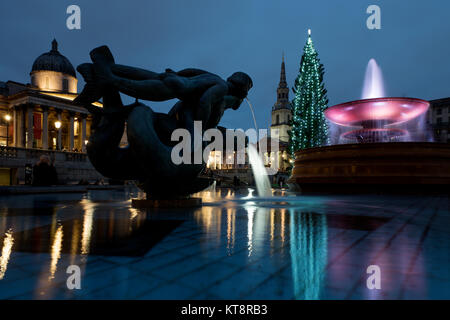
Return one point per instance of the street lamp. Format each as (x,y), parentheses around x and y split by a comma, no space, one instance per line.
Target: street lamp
(8,119)
(58,127)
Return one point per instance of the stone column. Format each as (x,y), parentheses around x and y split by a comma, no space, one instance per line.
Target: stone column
(44,127)
(83,132)
(71,131)
(21,126)
(15,123)
(59,130)
(30,133)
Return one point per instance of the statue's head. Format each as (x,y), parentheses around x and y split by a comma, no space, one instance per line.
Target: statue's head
(239,84)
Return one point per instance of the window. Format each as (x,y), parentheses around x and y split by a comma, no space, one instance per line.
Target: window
(439,120)
(439,111)
(278,119)
(65,85)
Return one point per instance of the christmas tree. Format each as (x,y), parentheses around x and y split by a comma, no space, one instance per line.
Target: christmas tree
(309,126)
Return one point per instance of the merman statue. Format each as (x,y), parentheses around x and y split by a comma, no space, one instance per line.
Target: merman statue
(202,96)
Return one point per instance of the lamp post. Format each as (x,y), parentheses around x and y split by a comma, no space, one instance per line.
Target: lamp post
(58,127)
(8,119)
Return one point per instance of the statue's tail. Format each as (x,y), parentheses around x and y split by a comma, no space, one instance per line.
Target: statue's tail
(92,91)
(96,75)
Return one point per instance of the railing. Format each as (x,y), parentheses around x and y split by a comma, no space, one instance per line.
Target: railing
(8,152)
(27,153)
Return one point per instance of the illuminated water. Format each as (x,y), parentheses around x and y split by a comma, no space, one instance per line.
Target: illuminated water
(373,81)
(259,172)
(253,113)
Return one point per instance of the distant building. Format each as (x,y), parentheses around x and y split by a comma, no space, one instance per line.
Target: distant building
(281,110)
(280,126)
(439,119)
(40,118)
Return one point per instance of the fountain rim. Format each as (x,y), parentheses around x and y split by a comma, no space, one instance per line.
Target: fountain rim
(398,131)
(365,101)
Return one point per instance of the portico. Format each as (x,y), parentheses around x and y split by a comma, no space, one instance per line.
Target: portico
(42,122)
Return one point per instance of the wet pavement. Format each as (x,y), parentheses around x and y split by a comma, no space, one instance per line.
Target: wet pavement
(234,247)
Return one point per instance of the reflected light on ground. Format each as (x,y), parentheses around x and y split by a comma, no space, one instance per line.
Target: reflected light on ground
(231,226)
(75,240)
(88,218)
(251,212)
(56,251)
(283,221)
(6,253)
(204,216)
(272,224)
(309,254)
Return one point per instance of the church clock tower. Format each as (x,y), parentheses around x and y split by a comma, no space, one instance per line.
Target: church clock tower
(281,111)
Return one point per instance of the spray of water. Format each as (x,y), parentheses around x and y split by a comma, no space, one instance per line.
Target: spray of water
(259,172)
(373,81)
(253,113)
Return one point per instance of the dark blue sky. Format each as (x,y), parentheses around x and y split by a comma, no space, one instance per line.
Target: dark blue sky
(412,48)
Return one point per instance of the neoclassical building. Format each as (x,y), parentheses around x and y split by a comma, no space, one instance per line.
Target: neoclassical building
(39,118)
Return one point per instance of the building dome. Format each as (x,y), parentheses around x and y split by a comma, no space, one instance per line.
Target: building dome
(52,71)
(53,61)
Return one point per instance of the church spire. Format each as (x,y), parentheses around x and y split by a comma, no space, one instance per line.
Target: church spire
(283,83)
(282,90)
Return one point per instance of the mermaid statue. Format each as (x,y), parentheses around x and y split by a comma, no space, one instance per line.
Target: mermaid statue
(202,96)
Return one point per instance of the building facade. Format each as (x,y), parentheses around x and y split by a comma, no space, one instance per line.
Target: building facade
(439,119)
(39,118)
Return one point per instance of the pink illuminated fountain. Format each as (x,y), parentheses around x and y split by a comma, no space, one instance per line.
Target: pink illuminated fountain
(375,115)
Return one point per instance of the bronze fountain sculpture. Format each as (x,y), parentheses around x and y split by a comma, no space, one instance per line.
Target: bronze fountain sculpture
(203,96)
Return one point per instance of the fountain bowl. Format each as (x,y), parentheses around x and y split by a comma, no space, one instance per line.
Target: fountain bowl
(390,110)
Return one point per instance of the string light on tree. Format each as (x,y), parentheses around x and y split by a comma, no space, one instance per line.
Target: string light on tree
(309,125)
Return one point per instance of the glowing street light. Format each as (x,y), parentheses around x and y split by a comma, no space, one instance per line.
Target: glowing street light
(8,119)
(58,127)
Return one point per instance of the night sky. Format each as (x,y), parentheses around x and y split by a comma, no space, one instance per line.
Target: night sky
(412,48)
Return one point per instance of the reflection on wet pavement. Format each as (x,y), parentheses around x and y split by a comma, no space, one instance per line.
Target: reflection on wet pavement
(234,247)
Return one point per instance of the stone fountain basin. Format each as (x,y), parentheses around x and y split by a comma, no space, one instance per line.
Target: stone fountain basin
(373,167)
(381,110)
